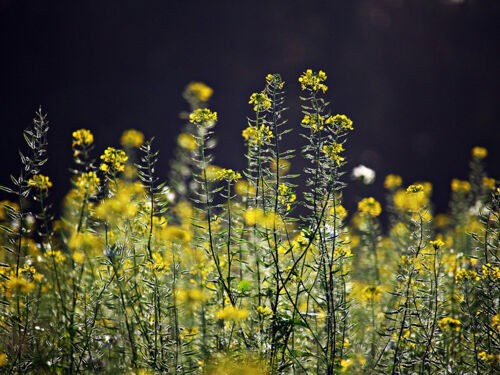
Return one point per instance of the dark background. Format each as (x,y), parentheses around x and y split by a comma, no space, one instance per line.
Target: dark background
(418,77)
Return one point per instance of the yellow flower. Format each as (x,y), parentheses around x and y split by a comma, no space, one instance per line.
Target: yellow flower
(495,322)
(314,121)
(232,313)
(113,160)
(333,151)
(132,138)
(488,358)
(253,216)
(275,79)
(264,311)
(228,175)
(203,117)
(57,255)
(82,137)
(261,101)
(257,136)
(3,359)
(489,183)
(436,244)
(341,122)
(392,181)
(199,91)
(19,285)
(285,196)
(187,141)
(370,206)
(448,323)
(479,152)
(313,81)
(40,182)
(460,186)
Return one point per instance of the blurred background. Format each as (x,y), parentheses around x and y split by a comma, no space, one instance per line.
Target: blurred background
(419,78)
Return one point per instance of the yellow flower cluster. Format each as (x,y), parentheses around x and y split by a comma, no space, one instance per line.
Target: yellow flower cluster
(313,81)
(495,322)
(256,216)
(228,175)
(275,79)
(257,136)
(82,137)
(284,166)
(479,152)
(187,142)
(341,122)
(436,244)
(392,181)
(415,198)
(123,205)
(313,121)
(113,160)
(264,311)
(261,102)
(157,264)
(232,313)
(203,117)
(285,196)
(88,182)
(40,182)
(460,186)
(489,183)
(370,207)
(57,255)
(449,324)
(333,151)
(488,358)
(132,138)
(464,274)
(371,294)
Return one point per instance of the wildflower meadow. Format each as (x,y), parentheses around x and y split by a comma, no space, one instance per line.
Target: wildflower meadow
(210,270)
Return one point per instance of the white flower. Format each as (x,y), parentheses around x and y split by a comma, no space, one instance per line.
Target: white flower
(364,174)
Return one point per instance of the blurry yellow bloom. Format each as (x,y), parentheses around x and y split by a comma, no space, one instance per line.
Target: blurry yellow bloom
(132,138)
(57,255)
(211,172)
(448,323)
(174,233)
(203,117)
(414,198)
(284,166)
(341,122)
(489,183)
(79,257)
(371,294)
(3,359)
(257,136)
(333,152)
(199,90)
(193,296)
(253,216)
(19,285)
(40,182)
(479,152)
(261,102)
(82,137)
(346,364)
(88,182)
(187,142)
(392,181)
(313,81)
(370,206)
(232,313)
(243,188)
(495,322)
(460,186)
